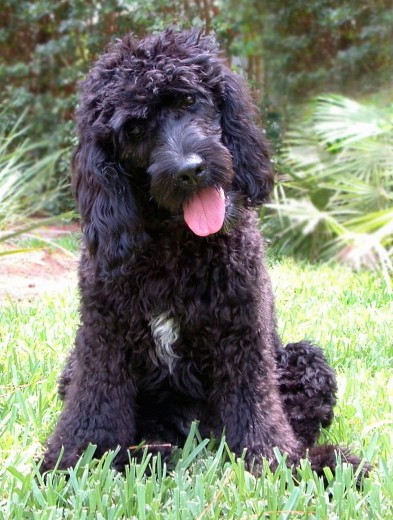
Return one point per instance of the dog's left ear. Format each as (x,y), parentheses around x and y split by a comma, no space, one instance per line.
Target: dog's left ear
(253,173)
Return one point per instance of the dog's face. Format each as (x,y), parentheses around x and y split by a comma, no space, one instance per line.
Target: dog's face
(190,168)
(164,117)
(178,144)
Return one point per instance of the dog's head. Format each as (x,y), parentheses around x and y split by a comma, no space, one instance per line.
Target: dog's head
(163,123)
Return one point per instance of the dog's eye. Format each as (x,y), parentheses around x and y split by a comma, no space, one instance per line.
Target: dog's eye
(188,101)
(136,132)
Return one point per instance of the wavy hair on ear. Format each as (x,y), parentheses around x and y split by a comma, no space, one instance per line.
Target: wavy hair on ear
(240,134)
(109,213)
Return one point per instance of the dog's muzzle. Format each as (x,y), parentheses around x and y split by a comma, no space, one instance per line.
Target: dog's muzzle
(190,171)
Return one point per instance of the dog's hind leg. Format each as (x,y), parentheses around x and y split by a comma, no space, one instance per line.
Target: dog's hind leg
(308,389)
(326,455)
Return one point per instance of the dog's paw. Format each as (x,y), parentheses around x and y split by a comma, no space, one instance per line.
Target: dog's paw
(256,456)
(325,456)
(58,461)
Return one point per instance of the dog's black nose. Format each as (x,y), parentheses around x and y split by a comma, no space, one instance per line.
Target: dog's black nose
(191,169)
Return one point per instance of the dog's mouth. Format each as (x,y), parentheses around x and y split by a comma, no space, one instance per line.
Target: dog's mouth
(204,213)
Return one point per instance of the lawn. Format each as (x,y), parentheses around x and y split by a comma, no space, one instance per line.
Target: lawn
(349,314)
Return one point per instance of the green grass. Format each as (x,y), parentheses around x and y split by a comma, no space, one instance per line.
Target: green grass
(35,239)
(68,242)
(349,314)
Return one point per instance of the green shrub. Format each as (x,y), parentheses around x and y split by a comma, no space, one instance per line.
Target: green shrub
(335,198)
(27,184)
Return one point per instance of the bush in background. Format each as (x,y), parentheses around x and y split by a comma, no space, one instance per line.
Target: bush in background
(27,184)
(335,198)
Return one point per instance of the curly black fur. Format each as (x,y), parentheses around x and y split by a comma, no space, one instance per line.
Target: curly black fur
(174,326)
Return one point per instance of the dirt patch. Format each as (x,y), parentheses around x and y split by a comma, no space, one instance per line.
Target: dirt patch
(25,276)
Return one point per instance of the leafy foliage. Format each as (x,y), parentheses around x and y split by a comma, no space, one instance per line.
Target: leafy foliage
(336,195)
(26,184)
(327,45)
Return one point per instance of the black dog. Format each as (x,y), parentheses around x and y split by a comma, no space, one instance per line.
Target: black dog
(177,309)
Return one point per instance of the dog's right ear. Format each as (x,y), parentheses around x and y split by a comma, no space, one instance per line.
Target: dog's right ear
(109,213)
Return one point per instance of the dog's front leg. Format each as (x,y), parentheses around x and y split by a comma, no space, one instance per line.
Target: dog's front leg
(246,401)
(98,406)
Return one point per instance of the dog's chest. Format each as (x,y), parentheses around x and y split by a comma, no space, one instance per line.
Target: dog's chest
(165,332)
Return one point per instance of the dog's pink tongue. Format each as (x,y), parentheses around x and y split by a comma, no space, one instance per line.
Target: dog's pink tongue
(205,212)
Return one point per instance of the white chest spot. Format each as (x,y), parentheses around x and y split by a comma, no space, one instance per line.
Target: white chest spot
(165,332)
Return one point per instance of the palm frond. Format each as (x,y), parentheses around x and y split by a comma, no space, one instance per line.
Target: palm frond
(351,194)
(26,184)
(340,122)
(337,192)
